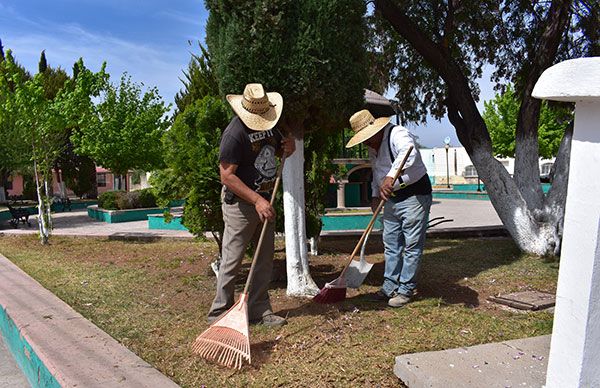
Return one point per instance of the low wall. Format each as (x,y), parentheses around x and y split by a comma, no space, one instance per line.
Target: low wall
(116,216)
(28,361)
(157,221)
(349,221)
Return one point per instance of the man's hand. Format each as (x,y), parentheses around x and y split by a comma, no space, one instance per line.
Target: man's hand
(374,203)
(289,145)
(386,188)
(264,209)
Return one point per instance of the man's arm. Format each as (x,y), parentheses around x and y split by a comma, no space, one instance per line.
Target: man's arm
(234,183)
(401,141)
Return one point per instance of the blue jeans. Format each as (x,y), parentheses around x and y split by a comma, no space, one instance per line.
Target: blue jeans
(404,226)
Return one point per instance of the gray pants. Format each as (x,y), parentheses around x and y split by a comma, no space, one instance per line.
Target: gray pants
(243,225)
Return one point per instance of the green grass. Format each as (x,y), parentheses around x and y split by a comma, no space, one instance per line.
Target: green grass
(153,298)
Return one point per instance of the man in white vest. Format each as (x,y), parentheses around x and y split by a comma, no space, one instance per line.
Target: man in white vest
(406,211)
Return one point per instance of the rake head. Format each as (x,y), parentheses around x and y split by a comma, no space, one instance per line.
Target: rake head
(332,292)
(227,341)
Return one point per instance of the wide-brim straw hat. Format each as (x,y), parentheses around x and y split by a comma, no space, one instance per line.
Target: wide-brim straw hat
(260,111)
(365,126)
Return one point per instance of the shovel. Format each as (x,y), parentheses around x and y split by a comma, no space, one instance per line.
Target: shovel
(335,291)
(359,269)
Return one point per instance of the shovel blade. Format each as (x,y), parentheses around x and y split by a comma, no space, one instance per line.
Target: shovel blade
(357,272)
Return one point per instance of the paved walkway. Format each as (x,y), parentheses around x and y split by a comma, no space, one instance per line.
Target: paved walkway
(65,347)
(508,364)
(464,213)
(78,223)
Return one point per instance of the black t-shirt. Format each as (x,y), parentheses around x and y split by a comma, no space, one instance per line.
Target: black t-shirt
(254,154)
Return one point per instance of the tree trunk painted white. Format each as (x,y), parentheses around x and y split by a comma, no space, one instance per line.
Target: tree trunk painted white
(42,214)
(534,230)
(300,283)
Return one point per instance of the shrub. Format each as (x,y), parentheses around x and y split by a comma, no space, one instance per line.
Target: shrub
(127,200)
(147,198)
(120,200)
(109,199)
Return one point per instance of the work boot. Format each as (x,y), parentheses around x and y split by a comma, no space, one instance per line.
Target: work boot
(398,300)
(270,320)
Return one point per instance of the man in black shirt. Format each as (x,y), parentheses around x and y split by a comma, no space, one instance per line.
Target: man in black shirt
(248,166)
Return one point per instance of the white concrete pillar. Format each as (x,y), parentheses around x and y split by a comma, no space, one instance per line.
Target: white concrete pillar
(575,346)
(341,195)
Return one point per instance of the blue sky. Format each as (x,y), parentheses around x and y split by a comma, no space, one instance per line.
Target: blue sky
(146,38)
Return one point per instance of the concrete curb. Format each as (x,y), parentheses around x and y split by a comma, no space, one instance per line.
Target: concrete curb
(514,363)
(450,233)
(75,352)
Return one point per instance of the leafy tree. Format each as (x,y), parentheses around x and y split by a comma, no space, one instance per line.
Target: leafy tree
(437,50)
(78,172)
(312,52)
(192,152)
(124,130)
(38,121)
(13,149)
(199,80)
(501,115)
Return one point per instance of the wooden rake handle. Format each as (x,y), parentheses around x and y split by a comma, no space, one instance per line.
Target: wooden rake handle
(264,227)
(376,212)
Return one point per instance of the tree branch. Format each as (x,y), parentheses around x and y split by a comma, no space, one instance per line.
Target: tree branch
(526,145)
(459,92)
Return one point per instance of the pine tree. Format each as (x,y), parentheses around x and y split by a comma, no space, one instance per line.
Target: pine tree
(43,64)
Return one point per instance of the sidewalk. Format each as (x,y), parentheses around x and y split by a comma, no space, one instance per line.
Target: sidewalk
(468,217)
(55,346)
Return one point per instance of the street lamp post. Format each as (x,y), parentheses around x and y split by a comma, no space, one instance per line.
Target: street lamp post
(447,146)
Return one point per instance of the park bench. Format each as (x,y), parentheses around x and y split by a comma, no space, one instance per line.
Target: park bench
(18,215)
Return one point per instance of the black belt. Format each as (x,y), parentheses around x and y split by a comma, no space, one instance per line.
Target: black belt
(420,187)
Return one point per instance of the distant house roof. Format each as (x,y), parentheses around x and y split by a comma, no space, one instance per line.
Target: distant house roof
(378,105)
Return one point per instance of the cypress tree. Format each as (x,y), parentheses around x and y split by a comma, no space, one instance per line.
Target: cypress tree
(43,65)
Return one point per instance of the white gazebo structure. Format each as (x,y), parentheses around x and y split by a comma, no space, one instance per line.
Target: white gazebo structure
(575,347)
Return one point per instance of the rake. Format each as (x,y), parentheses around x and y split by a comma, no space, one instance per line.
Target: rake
(335,291)
(227,340)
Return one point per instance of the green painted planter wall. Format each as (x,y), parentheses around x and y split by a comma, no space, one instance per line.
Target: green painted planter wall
(461,195)
(349,222)
(28,361)
(158,222)
(116,216)
(5,215)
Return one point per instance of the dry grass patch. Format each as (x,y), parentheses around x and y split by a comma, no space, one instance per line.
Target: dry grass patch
(153,298)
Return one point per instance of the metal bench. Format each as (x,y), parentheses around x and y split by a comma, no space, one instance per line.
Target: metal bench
(18,215)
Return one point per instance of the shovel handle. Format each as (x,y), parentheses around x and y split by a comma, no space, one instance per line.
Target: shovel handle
(264,227)
(376,212)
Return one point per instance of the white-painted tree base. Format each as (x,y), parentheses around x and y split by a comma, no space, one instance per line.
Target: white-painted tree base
(300,283)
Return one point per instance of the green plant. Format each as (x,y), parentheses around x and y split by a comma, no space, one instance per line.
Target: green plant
(109,200)
(146,198)
(192,154)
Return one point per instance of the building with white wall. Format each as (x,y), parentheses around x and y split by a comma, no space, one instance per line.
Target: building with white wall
(454,165)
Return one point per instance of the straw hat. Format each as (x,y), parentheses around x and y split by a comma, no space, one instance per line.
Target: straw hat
(365,126)
(260,111)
